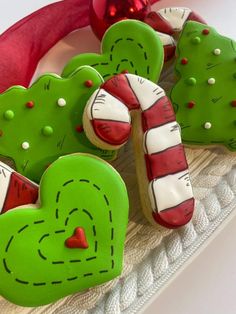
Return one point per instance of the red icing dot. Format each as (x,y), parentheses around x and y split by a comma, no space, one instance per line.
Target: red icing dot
(1,133)
(30,104)
(79,129)
(233,103)
(191,104)
(78,240)
(184,61)
(125,72)
(88,83)
(205,31)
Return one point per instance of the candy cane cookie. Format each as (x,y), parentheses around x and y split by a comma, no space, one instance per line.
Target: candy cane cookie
(169,22)
(162,170)
(15,190)
(172,20)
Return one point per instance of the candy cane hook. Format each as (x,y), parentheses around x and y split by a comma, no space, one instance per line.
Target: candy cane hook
(168,22)
(162,169)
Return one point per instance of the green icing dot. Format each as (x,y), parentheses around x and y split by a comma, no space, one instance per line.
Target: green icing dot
(196,40)
(9,115)
(191,81)
(47,130)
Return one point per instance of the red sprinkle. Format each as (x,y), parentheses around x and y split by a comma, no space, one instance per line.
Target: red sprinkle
(1,133)
(88,83)
(191,104)
(184,61)
(233,103)
(30,104)
(125,72)
(205,31)
(79,129)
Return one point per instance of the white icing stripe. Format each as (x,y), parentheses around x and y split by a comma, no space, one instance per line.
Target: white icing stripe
(103,105)
(146,91)
(176,17)
(161,138)
(166,40)
(170,191)
(5,177)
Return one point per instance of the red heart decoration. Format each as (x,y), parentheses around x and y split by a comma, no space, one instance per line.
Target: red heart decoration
(78,240)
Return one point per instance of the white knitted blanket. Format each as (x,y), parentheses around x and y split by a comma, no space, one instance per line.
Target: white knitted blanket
(147,268)
(152,257)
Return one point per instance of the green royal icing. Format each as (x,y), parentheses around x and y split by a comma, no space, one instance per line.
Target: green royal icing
(76,191)
(127,45)
(207,81)
(44,122)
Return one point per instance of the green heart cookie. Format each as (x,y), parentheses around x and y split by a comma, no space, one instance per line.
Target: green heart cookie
(39,124)
(126,46)
(204,96)
(74,239)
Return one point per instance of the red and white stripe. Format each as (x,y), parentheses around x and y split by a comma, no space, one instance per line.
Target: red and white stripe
(109,112)
(168,22)
(15,190)
(169,45)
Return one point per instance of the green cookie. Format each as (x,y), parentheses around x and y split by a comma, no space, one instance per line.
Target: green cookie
(126,46)
(74,239)
(205,97)
(39,124)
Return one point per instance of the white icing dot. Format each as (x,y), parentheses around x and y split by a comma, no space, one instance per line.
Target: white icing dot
(25,145)
(207,125)
(211,81)
(61,102)
(217,52)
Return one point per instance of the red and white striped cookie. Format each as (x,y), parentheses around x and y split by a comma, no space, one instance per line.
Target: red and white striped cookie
(171,20)
(15,190)
(162,169)
(168,22)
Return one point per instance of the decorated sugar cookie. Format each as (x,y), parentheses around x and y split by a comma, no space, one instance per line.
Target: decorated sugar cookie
(127,46)
(162,169)
(15,190)
(73,240)
(204,96)
(39,124)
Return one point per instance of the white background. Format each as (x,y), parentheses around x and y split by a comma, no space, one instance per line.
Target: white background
(208,284)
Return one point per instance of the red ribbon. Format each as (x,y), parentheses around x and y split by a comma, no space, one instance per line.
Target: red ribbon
(26,42)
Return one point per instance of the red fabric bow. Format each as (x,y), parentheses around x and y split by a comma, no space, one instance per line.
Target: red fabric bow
(25,43)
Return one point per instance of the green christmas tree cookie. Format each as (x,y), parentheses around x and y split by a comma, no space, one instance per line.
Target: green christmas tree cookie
(39,124)
(72,241)
(128,45)
(205,95)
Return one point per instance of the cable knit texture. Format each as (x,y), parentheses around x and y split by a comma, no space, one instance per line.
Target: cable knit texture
(147,268)
(152,256)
